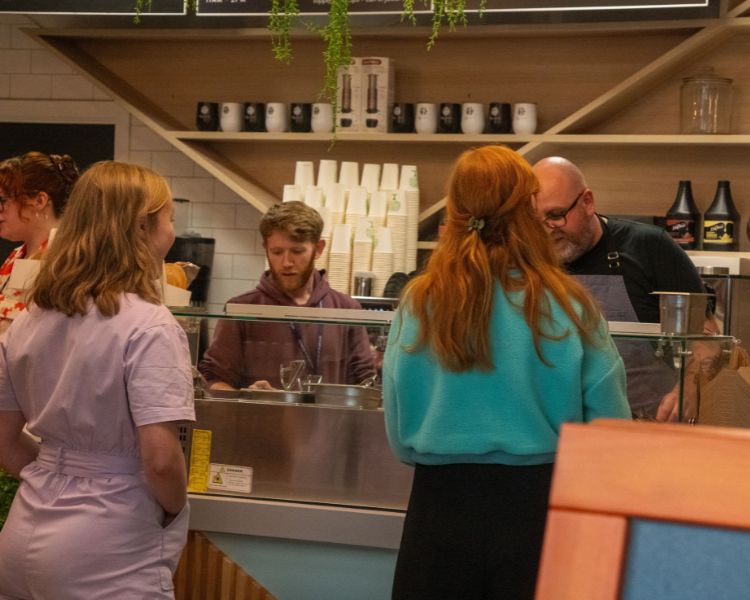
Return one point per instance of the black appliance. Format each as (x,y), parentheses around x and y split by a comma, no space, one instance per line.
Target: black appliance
(199,251)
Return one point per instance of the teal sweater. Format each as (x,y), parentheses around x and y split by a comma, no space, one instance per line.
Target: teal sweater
(511,415)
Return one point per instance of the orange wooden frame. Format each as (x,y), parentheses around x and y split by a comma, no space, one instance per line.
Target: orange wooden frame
(609,471)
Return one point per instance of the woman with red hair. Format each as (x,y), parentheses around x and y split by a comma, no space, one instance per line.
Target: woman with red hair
(494,347)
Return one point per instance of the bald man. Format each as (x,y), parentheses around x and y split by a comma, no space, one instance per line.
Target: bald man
(621,262)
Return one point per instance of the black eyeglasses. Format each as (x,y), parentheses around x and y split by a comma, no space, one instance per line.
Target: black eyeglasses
(556,220)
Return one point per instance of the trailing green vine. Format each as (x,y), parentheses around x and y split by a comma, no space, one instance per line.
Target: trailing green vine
(142,6)
(282,16)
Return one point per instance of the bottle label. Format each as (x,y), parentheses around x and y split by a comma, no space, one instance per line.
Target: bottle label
(718,232)
(681,230)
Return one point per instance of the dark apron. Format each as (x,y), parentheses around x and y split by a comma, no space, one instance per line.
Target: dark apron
(649,378)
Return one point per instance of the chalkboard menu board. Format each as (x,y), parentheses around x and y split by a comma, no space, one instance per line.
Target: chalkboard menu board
(90,7)
(313,7)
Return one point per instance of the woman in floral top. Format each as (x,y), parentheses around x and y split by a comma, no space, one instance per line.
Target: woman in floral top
(34,189)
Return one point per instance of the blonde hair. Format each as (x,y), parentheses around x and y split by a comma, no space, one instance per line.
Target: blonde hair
(492,234)
(101,249)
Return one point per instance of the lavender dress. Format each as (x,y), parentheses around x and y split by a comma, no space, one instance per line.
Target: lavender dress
(83,524)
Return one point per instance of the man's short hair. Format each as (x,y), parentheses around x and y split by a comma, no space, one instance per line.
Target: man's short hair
(299,221)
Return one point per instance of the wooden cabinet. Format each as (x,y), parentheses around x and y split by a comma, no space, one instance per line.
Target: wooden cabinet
(607,95)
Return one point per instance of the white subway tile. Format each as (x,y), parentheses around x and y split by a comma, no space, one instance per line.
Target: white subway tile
(20,39)
(70,87)
(142,138)
(195,189)
(222,290)
(222,267)
(235,241)
(43,61)
(259,249)
(4,36)
(248,216)
(247,266)
(30,86)
(4,85)
(15,61)
(101,93)
(201,172)
(223,194)
(212,215)
(171,164)
(140,157)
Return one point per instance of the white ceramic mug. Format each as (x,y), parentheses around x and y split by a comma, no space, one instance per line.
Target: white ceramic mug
(322,117)
(231,115)
(524,118)
(277,117)
(472,117)
(426,118)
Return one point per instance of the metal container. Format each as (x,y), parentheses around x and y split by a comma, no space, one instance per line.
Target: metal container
(682,313)
(353,396)
(282,396)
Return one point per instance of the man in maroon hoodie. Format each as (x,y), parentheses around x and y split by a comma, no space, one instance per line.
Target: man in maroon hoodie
(249,353)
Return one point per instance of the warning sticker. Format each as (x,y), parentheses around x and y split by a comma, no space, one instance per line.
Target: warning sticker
(200,455)
(230,478)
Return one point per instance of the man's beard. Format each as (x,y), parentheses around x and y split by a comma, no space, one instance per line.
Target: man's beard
(290,285)
(568,251)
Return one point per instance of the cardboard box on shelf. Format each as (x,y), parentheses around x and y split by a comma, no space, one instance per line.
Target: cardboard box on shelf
(378,89)
(349,90)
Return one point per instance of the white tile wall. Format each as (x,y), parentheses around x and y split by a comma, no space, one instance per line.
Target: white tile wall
(30,71)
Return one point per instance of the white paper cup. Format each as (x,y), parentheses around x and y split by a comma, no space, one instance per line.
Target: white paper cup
(304,174)
(389,177)
(349,175)
(291,192)
(327,172)
(371,177)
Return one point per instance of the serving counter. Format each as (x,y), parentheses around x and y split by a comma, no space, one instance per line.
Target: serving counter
(301,467)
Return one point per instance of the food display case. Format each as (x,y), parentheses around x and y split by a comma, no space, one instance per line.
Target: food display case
(324,446)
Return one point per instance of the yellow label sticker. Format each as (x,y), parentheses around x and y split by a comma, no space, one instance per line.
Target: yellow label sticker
(200,460)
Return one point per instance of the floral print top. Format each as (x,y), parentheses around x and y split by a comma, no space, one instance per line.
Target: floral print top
(11,299)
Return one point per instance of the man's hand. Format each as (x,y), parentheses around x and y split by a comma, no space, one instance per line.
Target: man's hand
(261,384)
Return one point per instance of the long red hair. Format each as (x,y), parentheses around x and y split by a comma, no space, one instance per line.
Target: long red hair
(491,187)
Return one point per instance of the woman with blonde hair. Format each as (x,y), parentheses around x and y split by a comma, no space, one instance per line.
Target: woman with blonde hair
(493,348)
(99,370)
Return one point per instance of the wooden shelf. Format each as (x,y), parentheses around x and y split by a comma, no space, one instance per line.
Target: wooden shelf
(603,90)
(487,138)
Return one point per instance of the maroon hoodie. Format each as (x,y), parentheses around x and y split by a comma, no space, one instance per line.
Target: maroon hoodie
(243,352)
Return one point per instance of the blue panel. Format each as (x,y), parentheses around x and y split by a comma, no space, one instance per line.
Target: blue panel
(297,570)
(672,561)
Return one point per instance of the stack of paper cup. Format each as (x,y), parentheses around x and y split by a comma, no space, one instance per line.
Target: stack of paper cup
(371,177)
(340,257)
(322,262)
(382,259)
(362,247)
(356,206)
(291,192)
(335,201)
(378,207)
(409,183)
(327,172)
(397,223)
(389,177)
(349,175)
(314,197)
(304,174)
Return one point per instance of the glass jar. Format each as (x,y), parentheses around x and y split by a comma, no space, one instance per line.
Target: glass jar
(705,103)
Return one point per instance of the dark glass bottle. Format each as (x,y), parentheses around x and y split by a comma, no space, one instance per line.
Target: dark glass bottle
(721,221)
(683,218)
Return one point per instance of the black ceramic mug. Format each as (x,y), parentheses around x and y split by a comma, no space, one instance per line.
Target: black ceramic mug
(300,117)
(254,118)
(500,117)
(449,120)
(207,116)
(402,117)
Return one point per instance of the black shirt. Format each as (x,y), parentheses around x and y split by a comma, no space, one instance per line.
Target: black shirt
(650,261)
